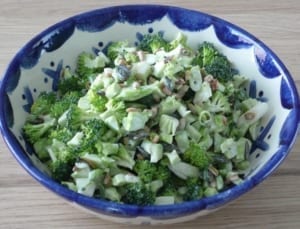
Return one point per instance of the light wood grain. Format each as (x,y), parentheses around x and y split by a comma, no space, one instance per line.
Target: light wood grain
(273,204)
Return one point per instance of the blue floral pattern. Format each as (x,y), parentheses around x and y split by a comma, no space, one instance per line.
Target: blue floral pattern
(54,74)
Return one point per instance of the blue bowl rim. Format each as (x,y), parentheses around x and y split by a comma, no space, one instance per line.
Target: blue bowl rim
(165,211)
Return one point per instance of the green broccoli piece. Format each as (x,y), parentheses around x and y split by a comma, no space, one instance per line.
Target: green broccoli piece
(97,100)
(74,117)
(89,65)
(93,131)
(69,81)
(145,170)
(153,43)
(43,103)
(62,168)
(220,68)
(155,150)
(40,148)
(206,54)
(171,185)
(148,171)
(169,189)
(169,105)
(219,103)
(37,128)
(70,84)
(132,94)
(180,39)
(114,114)
(123,158)
(168,124)
(62,160)
(138,194)
(136,120)
(120,48)
(62,104)
(163,173)
(214,62)
(61,134)
(195,155)
(193,189)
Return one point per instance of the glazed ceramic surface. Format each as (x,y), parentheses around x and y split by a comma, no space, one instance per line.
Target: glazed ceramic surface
(37,66)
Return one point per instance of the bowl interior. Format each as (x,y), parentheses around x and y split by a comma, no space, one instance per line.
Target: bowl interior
(36,68)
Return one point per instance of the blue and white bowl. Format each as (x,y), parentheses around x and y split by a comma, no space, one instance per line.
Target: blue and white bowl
(36,68)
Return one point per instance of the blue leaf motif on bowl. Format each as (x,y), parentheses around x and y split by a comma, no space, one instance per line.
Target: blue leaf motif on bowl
(189,20)
(228,38)
(59,37)
(8,111)
(54,74)
(30,57)
(286,135)
(259,142)
(266,64)
(286,95)
(140,17)
(29,99)
(12,82)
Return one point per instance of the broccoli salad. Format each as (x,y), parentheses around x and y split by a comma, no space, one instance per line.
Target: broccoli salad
(149,124)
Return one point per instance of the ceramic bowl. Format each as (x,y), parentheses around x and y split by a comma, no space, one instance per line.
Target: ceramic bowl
(36,68)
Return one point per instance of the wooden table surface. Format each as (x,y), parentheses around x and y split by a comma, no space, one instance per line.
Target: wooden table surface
(275,203)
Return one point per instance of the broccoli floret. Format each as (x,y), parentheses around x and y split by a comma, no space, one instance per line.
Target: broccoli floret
(163,173)
(61,134)
(171,185)
(97,100)
(70,84)
(62,168)
(70,81)
(119,48)
(36,129)
(88,65)
(169,189)
(197,156)
(114,114)
(148,171)
(181,39)
(40,148)
(62,160)
(206,54)
(43,103)
(193,189)
(153,43)
(145,170)
(93,131)
(138,194)
(63,103)
(74,117)
(220,68)
(214,62)
(219,103)
(124,158)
